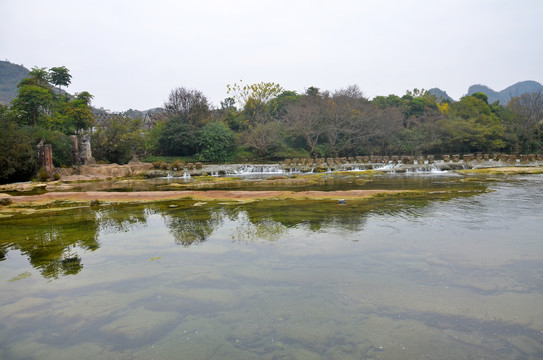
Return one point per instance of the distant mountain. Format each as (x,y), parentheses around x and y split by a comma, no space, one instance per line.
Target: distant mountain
(508,93)
(10,76)
(440,94)
(134,114)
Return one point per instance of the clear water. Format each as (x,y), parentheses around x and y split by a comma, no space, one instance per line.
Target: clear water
(444,277)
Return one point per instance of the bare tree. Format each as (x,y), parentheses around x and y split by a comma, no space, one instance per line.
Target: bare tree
(306,119)
(191,105)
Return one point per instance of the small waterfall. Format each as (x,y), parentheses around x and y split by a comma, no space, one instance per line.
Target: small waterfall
(259,170)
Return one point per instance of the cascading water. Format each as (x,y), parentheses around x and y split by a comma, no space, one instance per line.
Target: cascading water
(259,170)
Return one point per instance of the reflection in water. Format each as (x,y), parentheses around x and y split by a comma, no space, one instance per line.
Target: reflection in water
(397,278)
(53,242)
(191,226)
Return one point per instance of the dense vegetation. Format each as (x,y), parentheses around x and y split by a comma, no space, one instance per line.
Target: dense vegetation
(262,122)
(41,111)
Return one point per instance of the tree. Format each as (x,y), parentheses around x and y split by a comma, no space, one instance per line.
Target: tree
(85,96)
(34,101)
(527,114)
(178,138)
(266,139)
(216,142)
(38,76)
(261,92)
(278,105)
(472,126)
(189,105)
(312,91)
(305,118)
(118,140)
(18,156)
(79,115)
(60,76)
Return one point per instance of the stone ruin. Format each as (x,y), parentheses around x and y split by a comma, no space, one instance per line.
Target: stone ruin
(45,157)
(81,150)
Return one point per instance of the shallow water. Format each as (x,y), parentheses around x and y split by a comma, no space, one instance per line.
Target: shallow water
(441,277)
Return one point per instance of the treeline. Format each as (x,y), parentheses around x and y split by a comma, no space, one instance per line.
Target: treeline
(262,122)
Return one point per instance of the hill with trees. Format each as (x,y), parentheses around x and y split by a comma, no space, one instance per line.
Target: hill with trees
(10,76)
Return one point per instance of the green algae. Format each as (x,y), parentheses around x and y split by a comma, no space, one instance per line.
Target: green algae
(21,276)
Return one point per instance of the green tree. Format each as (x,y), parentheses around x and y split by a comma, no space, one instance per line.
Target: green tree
(84,96)
(178,138)
(79,114)
(18,156)
(38,76)
(60,76)
(34,101)
(278,105)
(216,142)
(118,140)
(472,126)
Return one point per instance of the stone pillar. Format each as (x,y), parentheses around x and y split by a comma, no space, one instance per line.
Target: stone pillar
(45,157)
(85,153)
(75,149)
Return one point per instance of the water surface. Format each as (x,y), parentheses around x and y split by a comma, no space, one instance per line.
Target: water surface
(440,277)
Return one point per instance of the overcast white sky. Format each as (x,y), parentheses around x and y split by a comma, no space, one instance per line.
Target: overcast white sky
(131,54)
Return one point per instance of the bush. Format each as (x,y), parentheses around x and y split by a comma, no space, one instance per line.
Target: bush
(216,142)
(43,175)
(18,160)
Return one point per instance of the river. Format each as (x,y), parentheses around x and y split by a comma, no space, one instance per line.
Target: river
(438,277)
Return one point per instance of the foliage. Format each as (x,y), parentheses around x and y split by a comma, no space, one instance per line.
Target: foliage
(189,105)
(524,122)
(178,138)
(265,140)
(18,156)
(34,103)
(471,126)
(260,93)
(60,76)
(61,143)
(118,140)
(216,142)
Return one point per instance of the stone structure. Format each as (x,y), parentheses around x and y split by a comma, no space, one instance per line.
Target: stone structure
(45,157)
(85,151)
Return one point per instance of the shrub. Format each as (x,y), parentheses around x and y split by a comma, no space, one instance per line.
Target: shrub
(216,142)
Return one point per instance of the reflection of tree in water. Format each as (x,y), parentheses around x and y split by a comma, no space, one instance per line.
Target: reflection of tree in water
(122,217)
(266,229)
(52,241)
(314,215)
(192,226)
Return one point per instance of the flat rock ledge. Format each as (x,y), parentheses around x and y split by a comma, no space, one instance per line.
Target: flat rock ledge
(210,195)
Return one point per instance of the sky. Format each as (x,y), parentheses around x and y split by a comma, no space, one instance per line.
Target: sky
(132,54)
